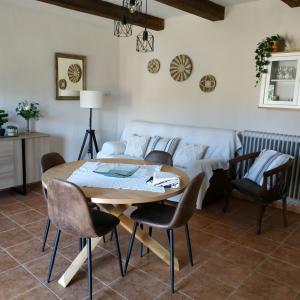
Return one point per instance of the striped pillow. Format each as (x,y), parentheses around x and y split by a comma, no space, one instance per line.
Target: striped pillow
(152,144)
(267,160)
(163,144)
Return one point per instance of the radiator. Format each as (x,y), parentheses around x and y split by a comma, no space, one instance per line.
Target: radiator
(290,144)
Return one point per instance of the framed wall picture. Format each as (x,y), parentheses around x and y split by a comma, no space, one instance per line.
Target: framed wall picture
(70,76)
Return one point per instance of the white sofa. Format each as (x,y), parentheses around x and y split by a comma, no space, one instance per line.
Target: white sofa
(222,146)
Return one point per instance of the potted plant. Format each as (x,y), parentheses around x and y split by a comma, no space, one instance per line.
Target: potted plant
(12,130)
(263,52)
(3,120)
(28,111)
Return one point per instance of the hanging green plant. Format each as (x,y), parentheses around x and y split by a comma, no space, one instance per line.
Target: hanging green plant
(263,52)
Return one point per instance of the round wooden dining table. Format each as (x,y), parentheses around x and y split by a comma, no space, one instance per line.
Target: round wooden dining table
(116,202)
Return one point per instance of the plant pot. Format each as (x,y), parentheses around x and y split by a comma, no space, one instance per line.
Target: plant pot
(27,126)
(2,132)
(276,46)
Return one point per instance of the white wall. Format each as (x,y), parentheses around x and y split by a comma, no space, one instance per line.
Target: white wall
(31,33)
(224,49)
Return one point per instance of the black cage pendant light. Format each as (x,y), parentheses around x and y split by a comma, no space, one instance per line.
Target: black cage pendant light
(122,28)
(145,40)
(133,5)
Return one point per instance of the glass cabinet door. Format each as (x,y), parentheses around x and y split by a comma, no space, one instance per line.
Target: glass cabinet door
(281,82)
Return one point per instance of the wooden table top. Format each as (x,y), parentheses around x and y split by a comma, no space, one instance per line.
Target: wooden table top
(116,196)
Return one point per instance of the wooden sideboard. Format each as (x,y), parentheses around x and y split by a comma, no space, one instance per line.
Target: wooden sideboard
(20,159)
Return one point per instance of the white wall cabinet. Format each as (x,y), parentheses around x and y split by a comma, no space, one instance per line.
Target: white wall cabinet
(280,86)
(20,159)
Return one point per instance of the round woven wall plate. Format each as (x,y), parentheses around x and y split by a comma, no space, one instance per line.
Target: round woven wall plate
(74,73)
(153,66)
(208,83)
(181,67)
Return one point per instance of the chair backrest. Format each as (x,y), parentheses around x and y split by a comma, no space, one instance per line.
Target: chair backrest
(161,157)
(49,161)
(68,209)
(187,205)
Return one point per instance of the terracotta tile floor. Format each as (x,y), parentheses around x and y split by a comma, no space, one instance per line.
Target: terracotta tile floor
(231,261)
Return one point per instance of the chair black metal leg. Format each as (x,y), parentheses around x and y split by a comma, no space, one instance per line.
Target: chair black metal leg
(188,241)
(168,237)
(171,235)
(111,235)
(90,279)
(142,246)
(80,244)
(54,249)
(118,251)
(46,234)
(150,234)
(135,225)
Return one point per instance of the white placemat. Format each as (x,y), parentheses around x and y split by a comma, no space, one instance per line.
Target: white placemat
(86,177)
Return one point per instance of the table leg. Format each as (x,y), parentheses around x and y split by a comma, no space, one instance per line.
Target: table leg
(141,235)
(77,263)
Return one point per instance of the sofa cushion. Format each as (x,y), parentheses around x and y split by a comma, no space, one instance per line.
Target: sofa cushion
(136,146)
(247,186)
(113,148)
(166,144)
(186,153)
(267,160)
(152,144)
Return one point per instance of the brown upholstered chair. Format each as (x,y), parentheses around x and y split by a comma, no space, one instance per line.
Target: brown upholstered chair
(276,183)
(169,218)
(49,161)
(160,157)
(70,213)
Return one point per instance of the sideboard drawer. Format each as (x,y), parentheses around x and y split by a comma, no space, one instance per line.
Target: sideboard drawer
(6,149)
(7,173)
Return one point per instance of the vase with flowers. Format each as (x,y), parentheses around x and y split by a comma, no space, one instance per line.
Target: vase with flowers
(28,110)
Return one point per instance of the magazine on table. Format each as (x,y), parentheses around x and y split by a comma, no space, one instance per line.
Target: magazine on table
(165,179)
(116,170)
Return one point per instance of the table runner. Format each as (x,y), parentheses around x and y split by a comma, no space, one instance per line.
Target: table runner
(86,177)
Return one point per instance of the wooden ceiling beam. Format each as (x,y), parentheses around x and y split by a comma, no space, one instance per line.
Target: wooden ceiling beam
(292,3)
(110,11)
(202,8)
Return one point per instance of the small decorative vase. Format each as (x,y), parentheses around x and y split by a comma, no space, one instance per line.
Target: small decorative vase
(28,127)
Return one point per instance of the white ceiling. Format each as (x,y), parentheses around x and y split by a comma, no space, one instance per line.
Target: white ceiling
(163,11)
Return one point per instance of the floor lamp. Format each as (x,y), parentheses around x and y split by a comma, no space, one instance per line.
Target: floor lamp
(90,99)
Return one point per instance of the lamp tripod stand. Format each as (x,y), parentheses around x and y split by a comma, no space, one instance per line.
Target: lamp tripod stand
(90,133)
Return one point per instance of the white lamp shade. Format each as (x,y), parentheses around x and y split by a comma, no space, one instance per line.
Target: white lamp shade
(91,99)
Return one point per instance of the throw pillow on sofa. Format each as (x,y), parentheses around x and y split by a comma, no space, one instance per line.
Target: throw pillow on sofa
(186,153)
(267,160)
(113,148)
(152,144)
(136,146)
(163,144)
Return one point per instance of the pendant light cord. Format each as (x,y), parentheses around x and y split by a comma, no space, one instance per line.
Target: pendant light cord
(146,15)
